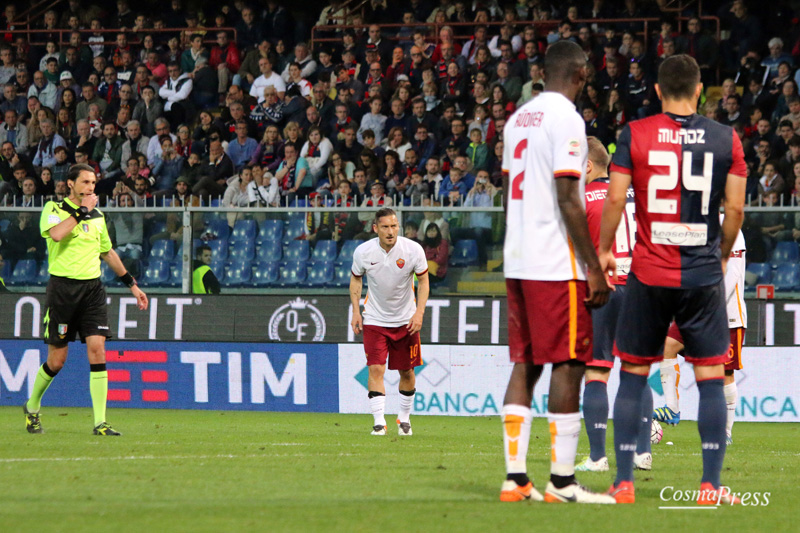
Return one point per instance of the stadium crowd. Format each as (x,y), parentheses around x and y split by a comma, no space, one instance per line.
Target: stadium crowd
(234,108)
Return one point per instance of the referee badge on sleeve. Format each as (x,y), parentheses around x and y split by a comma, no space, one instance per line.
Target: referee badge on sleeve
(401,263)
(85,227)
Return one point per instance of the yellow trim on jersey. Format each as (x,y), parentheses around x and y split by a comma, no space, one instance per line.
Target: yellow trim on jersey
(572,259)
(739,305)
(573,318)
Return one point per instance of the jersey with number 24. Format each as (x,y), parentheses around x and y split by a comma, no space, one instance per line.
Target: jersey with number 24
(679,167)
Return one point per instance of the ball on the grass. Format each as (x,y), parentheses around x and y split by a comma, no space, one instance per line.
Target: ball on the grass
(656,432)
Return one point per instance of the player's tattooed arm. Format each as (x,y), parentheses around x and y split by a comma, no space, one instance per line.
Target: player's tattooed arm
(571,207)
(355,300)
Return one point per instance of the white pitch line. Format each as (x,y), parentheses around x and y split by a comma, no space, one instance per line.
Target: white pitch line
(166,457)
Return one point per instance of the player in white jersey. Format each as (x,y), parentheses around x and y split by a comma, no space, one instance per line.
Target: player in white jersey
(552,275)
(391,320)
(737,324)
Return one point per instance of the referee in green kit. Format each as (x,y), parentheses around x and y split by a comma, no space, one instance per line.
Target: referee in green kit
(77,238)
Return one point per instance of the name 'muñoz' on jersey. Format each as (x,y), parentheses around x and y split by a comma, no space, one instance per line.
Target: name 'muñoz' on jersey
(545,139)
(679,167)
(625,238)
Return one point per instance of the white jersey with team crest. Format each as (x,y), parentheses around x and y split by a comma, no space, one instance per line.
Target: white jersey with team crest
(390,280)
(544,139)
(734,284)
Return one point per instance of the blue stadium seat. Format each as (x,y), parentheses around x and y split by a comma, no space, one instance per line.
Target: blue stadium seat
(175,274)
(218,267)
(42,277)
(4,224)
(324,251)
(179,251)
(465,253)
(6,272)
(156,274)
(208,216)
(270,230)
(157,226)
(265,273)
(215,202)
(237,274)
(163,249)
(242,250)
(785,252)
(763,271)
(292,273)
(320,273)
(24,273)
(346,253)
(270,251)
(244,230)
(341,275)
(219,228)
(787,277)
(297,251)
(293,230)
(295,218)
(219,249)
(299,202)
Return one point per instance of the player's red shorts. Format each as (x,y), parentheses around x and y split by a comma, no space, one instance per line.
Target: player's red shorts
(734,361)
(402,349)
(548,321)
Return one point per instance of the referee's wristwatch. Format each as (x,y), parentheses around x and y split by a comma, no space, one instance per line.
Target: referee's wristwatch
(81,213)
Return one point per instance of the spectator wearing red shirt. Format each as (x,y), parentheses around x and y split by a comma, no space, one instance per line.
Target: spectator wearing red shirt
(226,59)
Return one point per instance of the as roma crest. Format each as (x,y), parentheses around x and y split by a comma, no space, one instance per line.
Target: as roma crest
(401,263)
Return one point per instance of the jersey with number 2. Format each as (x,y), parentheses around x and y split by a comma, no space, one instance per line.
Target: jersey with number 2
(544,140)
(679,167)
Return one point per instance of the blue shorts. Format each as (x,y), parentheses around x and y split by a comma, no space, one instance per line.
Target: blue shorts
(604,327)
(647,312)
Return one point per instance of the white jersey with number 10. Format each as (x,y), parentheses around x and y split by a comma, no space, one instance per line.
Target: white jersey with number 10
(544,139)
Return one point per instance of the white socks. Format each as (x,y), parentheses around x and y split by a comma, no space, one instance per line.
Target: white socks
(670,377)
(516,436)
(406,402)
(731,397)
(377,405)
(565,429)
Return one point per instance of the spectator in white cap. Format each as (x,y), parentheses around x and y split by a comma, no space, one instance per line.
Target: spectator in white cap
(66,81)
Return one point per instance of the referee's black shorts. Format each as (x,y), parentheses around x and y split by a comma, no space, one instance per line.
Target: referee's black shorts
(74,306)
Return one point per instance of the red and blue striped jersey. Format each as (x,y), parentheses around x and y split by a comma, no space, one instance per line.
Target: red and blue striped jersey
(679,167)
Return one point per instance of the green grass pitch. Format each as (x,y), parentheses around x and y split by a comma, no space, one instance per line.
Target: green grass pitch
(245,471)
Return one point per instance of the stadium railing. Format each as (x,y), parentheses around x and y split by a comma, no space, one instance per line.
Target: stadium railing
(772,234)
(63,34)
(234,243)
(650,24)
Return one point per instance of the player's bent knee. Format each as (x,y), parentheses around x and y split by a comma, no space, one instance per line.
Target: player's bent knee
(642,370)
(597,374)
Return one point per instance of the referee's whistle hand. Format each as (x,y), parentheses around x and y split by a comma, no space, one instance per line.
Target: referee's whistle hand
(89,201)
